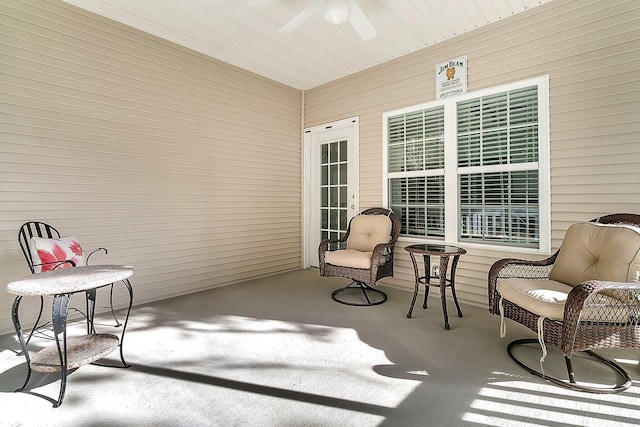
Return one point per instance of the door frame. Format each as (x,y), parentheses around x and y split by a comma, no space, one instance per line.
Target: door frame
(308,193)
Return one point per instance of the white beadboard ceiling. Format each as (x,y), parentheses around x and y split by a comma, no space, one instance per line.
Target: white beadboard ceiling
(244,32)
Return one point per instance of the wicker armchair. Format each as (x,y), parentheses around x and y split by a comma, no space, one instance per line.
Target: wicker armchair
(586,296)
(363,254)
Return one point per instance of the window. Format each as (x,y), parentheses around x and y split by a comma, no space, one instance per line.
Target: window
(474,168)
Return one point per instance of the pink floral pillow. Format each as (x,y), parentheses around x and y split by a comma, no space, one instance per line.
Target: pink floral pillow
(48,251)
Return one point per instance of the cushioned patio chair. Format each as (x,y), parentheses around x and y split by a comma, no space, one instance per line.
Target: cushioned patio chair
(44,249)
(363,254)
(584,297)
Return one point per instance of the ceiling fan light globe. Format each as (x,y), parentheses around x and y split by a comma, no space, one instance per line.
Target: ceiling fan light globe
(337,11)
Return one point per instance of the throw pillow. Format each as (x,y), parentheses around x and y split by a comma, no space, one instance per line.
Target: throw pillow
(48,251)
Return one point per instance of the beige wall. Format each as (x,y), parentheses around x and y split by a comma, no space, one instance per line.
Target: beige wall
(590,51)
(182,166)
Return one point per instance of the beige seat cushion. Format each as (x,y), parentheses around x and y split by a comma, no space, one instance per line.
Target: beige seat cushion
(547,298)
(367,231)
(593,251)
(589,252)
(542,297)
(349,258)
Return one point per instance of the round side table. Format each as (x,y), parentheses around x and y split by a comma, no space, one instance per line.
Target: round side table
(444,252)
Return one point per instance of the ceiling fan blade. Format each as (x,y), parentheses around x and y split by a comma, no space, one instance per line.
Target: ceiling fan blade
(301,17)
(361,23)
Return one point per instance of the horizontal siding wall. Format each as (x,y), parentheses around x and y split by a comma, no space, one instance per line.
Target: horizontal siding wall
(182,166)
(591,53)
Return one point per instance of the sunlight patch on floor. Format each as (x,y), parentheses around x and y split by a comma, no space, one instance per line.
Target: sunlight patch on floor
(282,354)
(8,359)
(526,403)
(486,420)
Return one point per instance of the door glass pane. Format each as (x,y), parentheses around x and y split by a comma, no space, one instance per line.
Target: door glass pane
(343,176)
(343,197)
(333,152)
(343,219)
(333,197)
(333,178)
(324,154)
(333,219)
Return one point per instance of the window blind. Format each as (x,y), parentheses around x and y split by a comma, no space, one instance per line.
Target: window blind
(416,146)
(500,131)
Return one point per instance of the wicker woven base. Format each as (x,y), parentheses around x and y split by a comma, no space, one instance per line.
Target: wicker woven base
(359,294)
(571,383)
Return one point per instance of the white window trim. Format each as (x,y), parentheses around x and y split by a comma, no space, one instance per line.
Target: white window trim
(452,171)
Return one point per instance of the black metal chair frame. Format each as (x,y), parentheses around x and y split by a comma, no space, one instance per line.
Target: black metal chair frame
(371,296)
(44,230)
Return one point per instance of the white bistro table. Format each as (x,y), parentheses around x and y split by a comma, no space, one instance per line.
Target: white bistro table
(69,353)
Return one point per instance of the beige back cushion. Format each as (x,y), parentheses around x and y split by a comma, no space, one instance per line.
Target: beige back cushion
(593,251)
(367,231)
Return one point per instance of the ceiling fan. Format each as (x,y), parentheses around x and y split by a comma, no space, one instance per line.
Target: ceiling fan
(336,12)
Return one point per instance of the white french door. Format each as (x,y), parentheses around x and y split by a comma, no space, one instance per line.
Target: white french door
(331,188)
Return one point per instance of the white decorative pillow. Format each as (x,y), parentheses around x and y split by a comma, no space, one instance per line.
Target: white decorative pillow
(48,251)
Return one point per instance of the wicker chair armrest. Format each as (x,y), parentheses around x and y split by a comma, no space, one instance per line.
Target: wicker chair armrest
(332,245)
(382,250)
(381,255)
(513,267)
(586,294)
(93,251)
(329,245)
(520,266)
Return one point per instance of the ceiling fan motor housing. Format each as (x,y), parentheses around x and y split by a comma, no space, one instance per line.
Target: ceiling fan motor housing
(337,11)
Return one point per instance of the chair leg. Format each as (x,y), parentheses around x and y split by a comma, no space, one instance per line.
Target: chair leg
(370,296)
(571,383)
(113,313)
(35,325)
(570,373)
